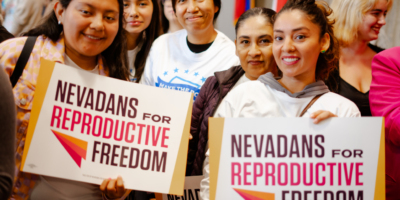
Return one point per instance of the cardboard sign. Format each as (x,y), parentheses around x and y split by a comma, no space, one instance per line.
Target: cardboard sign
(86,127)
(190,192)
(294,159)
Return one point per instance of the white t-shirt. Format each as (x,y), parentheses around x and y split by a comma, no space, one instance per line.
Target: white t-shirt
(172,65)
(131,60)
(71,63)
(241,80)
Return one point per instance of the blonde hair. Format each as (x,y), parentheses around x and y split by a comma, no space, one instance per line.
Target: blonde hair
(348,15)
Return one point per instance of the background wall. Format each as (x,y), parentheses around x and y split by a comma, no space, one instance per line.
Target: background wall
(389,37)
(224,22)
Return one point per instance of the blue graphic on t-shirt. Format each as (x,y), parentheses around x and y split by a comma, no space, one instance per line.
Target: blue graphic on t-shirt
(131,77)
(181,80)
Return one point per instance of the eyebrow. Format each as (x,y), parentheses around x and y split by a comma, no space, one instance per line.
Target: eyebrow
(294,30)
(266,35)
(261,36)
(107,11)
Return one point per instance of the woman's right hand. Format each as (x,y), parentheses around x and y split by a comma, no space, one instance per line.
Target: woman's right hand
(321,115)
(113,188)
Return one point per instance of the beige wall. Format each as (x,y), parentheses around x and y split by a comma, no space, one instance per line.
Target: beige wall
(224,22)
(389,37)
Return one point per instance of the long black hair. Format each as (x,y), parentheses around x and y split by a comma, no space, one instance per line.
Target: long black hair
(164,20)
(114,57)
(151,33)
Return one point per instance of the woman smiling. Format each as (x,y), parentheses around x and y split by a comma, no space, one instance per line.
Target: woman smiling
(357,24)
(143,27)
(84,34)
(184,59)
(254,37)
(305,51)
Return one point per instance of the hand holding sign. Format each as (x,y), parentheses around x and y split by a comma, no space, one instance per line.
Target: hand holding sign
(321,115)
(98,127)
(113,188)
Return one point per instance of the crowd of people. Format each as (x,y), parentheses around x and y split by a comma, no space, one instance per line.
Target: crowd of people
(278,64)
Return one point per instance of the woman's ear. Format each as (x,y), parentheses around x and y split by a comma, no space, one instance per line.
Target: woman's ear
(326,42)
(59,11)
(236,52)
(216,8)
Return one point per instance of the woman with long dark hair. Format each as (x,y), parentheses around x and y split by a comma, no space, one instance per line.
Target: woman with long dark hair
(143,27)
(305,51)
(84,34)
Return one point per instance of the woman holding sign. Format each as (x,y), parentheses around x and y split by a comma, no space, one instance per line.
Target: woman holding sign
(87,35)
(254,36)
(305,50)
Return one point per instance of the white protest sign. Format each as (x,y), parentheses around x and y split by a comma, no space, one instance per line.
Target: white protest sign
(294,159)
(87,127)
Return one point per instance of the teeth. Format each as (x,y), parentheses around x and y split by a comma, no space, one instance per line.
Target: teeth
(91,37)
(290,59)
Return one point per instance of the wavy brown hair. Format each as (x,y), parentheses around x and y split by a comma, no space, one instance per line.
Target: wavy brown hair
(318,12)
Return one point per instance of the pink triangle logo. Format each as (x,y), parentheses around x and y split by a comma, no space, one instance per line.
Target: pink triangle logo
(254,195)
(75,147)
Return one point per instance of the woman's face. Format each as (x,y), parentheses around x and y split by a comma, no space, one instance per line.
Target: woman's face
(90,26)
(138,14)
(297,44)
(254,47)
(169,11)
(195,15)
(373,21)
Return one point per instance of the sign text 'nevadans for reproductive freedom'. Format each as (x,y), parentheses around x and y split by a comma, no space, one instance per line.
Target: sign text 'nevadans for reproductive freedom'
(294,159)
(87,127)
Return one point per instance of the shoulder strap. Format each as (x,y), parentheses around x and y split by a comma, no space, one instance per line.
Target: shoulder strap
(23,59)
(310,104)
